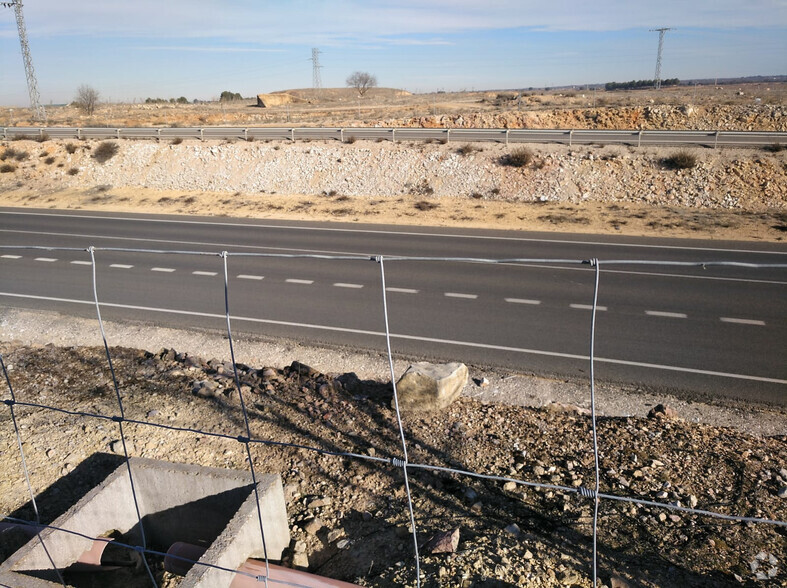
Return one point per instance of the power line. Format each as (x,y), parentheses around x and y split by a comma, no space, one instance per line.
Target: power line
(657,79)
(32,86)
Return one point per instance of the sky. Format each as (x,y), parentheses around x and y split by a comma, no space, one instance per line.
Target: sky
(131,50)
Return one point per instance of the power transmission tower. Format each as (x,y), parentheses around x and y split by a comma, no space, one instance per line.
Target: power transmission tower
(32,87)
(316,81)
(661,31)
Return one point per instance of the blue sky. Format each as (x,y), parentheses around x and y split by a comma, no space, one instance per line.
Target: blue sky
(198,48)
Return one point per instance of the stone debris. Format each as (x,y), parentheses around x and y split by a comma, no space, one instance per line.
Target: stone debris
(350,516)
(445,542)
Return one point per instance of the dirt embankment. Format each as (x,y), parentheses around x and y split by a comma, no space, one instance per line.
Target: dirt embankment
(727,194)
(662,117)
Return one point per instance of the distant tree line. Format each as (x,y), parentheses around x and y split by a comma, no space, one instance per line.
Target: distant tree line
(638,84)
(227,96)
(181,100)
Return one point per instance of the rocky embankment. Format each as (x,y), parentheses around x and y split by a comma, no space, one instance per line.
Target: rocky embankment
(746,180)
(761,117)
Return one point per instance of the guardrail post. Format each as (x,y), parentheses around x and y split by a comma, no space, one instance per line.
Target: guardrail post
(716,140)
(158,134)
(507,132)
(117,133)
(341,135)
(570,136)
(245,134)
(5,133)
(393,135)
(292,135)
(448,136)
(40,132)
(639,138)
(79,133)
(201,135)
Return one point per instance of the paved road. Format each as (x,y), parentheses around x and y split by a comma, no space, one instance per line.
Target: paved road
(714,330)
(563,136)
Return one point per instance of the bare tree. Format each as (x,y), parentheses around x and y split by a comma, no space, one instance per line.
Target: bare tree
(86,99)
(361,81)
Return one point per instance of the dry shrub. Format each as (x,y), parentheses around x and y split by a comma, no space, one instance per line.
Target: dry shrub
(467,149)
(518,157)
(680,160)
(7,168)
(71,148)
(105,151)
(73,171)
(425,205)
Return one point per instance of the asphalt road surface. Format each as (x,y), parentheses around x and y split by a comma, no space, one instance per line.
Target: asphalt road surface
(715,330)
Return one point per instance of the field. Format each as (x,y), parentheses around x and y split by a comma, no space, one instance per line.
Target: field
(747,104)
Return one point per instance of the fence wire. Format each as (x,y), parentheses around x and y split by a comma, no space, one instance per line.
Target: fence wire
(400,462)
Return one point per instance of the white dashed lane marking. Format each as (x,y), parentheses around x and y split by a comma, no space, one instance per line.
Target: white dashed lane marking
(460,295)
(46,259)
(121,266)
(665,314)
(345,285)
(11,257)
(249,277)
(587,307)
(167,270)
(80,262)
(522,301)
(402,290)
(740,321)
(198,273)
(294,281)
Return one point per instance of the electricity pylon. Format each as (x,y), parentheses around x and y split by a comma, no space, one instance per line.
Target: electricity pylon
(657,80)
(316,78)
(32,87)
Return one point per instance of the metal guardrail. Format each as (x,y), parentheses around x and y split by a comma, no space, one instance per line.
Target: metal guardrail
(636,138)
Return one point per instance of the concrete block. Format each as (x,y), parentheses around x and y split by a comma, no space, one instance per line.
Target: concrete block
(426,386)
(212,507)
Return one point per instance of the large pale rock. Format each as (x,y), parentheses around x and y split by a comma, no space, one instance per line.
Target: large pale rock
(268,100)
(426,386)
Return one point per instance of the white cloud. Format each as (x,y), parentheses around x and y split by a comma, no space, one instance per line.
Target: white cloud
(347,21)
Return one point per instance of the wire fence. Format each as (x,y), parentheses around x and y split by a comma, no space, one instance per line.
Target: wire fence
(399,462)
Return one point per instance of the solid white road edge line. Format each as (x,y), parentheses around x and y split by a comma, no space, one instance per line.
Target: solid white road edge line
(656,366)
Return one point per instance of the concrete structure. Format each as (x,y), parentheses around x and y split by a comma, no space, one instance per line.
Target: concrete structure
(426,386)
(210,507)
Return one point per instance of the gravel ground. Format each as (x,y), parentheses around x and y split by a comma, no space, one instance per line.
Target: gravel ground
(349,518)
